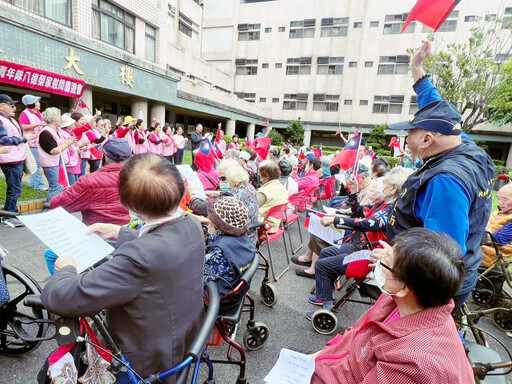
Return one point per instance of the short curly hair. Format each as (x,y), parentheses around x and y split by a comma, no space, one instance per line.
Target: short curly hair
(235,173)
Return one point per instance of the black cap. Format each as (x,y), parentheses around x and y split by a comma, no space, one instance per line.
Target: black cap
(4,99)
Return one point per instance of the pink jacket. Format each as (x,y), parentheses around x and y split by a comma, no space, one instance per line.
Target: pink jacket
(420,348)
(310,180)
(96,195)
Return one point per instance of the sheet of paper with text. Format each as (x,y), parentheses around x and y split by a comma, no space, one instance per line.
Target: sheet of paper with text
(65,235)
(291,368)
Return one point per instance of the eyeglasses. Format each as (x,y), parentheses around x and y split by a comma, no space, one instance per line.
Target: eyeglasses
(388,268)
(223,178)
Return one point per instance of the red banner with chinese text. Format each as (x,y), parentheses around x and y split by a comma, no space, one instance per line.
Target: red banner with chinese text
(33,78)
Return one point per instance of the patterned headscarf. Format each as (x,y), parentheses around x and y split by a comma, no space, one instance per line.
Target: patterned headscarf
(228,214)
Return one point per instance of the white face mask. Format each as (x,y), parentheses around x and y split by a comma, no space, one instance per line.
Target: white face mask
(381,278)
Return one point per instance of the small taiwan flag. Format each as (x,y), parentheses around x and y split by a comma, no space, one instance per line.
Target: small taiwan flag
(205,159)
(310,212)
(81,104)
(318,151)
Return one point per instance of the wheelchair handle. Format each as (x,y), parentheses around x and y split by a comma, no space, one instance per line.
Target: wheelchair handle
(33,301)
(7,214)
(256,225)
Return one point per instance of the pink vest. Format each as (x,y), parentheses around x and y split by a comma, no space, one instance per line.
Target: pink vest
(141,148)
(234,145)
(33,117)
(47,160)
(154,148)
(18,152)
(73,158)
(168,150)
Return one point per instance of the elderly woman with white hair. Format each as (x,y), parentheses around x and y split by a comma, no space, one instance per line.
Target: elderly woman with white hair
(234,180)
(50,145)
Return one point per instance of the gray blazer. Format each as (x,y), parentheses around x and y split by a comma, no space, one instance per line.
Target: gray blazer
(152,289)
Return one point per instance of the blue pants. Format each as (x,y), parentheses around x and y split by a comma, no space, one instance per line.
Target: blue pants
(36,180)
(94,165)
(178,156)
(4,292)
(13,175)
(72,178)
(328,268)
(54,188)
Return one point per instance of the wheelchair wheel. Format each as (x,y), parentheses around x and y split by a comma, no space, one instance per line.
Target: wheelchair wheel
(484,294)
(503,320)
(324,321)
(20,285)
(268,294)
(256,339)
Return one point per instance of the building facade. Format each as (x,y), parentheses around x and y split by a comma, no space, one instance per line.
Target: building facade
(331,63)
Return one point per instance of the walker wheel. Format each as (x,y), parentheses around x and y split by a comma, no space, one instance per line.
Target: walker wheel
(268,294)
(503,320)
(484,294)
(254,340)
(324,321)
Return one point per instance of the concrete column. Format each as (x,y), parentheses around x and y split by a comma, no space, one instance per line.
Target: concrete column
(508,163)
(87,99)
(307,137)
(250,131)
(138,106)
(158,112)
(230,127)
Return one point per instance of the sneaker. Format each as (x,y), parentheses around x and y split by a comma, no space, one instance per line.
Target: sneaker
(13,223)
(41,189)
(315,301)
(309,315)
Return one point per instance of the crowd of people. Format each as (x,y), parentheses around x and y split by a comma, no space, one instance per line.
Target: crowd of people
(426,225)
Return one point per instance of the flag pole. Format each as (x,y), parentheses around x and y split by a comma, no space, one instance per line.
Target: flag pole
(356,165)
(64,165)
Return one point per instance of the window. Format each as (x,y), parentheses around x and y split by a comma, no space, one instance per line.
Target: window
(449,25)
(56,10)
(368,64)
(264,65)
(490,17)
(388,104)
(358,24)
(507,18)
(347,102)
(327,65)
(302,66)
(246,66)
(352,64)
(113,25)
(469,18)
(187,26)
(268,30)
(250,97)
(326,107)
(281,29)
(374,24)
(248,32)
(263,99)
(327,103)
(278,65)
(150,43)
(413,107)
(393,24)
(302,29)
(275,99)
(334,27)
(396,65)
(363,102)
(295,105)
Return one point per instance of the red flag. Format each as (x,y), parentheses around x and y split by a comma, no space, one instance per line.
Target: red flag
(265,123)
(63,175)
(338,132)
(248,142)
(218,137)
(262,145)
(81,104)
(318,151)
(217,151)
(347,158)
(432,13)
(302,156)
(394,143)
(310,212)
(96,152)
(205,159)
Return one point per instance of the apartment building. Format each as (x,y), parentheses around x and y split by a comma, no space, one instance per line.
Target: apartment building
(331,62)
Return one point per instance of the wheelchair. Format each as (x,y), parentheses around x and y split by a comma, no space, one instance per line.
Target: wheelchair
(67,331)
(226,327)
(490,292)
(18,322)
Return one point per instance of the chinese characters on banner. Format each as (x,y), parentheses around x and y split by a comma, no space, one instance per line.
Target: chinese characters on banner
(28,77)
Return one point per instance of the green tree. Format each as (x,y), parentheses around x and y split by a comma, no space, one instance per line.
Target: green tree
(501,105)
(470,74)
(377,138)
(295,130)
(277,138)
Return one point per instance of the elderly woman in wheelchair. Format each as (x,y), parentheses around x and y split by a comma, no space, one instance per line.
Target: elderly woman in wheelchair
(409,335)
(152,288)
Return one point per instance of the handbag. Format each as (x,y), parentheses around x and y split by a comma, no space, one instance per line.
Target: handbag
(30,166)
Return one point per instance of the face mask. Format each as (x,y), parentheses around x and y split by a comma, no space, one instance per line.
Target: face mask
(224,187)
(381,278)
